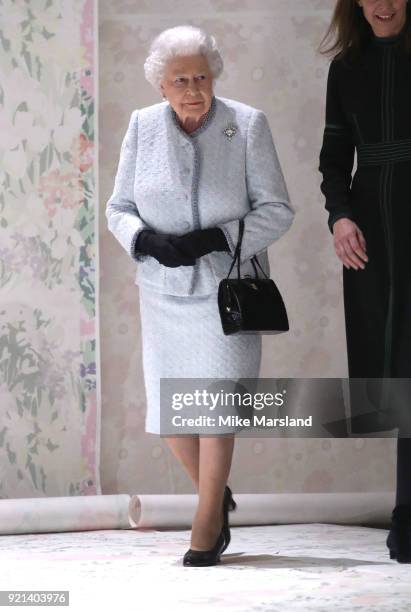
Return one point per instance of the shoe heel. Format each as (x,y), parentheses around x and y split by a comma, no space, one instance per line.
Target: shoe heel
(228,504)
(228,497)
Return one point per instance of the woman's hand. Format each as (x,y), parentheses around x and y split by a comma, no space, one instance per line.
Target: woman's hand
(349,243)
(162,248)
(199,242)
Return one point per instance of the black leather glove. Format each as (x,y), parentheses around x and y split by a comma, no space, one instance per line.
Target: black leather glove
(199,242)
(161,247)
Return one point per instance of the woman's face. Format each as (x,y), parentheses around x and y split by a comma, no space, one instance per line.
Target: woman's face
(386,17)
(188,86)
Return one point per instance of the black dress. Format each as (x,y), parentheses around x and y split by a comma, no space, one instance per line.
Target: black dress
(368,112)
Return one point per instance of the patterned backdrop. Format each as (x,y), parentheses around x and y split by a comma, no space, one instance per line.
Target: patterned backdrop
(269,49)
(50,417)
(49,381)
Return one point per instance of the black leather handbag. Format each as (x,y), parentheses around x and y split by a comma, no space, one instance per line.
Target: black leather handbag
(250,305)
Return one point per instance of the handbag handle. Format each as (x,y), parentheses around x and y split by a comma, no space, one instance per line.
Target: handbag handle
(237,255)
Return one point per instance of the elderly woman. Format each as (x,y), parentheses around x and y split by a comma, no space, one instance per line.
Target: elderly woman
(190,168)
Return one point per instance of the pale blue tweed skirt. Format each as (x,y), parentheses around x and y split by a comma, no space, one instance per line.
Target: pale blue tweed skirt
(182,337)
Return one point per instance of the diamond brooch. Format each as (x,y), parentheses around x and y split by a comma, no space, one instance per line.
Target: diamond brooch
(230,130)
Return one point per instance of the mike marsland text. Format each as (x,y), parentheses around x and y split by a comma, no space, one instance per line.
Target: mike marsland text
(236,421)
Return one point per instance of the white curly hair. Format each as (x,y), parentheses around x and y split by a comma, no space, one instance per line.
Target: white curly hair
(177,41)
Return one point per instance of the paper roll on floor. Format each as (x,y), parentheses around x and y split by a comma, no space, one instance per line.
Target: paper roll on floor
(177,511)
(52,514)
(83,513)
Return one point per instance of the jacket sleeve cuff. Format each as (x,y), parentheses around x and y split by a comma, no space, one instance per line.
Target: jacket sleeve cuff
(231,232)
(342,214)
(136,255)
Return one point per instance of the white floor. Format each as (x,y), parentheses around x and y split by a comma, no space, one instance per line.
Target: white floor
(266,568)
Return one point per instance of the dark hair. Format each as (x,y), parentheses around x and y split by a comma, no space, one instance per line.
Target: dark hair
(349,31)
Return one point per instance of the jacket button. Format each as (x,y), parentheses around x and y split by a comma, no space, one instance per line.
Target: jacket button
(186,225)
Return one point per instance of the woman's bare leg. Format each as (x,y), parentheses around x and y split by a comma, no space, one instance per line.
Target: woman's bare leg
(207,461)
(186,450)
(214,468)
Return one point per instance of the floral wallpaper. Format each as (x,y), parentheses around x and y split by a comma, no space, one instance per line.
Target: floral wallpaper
(49,413)
(53,262)
(271,62)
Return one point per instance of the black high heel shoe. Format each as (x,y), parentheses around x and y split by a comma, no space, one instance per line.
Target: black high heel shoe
(228,505)
(203,558)
(399,537)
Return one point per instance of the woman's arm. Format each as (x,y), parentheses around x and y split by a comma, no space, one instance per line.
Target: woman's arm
(271,214)
(122,215)
(337,154)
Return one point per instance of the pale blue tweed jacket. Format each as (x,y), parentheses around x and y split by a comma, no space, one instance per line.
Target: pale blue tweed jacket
(173,183)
